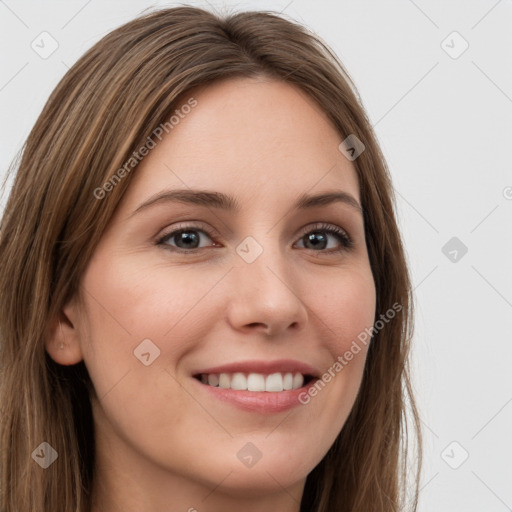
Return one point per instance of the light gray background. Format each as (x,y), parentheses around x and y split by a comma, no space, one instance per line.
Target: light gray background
(445,126)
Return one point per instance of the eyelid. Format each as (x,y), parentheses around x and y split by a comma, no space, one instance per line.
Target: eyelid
(325,226)
(184,225)
(345,240)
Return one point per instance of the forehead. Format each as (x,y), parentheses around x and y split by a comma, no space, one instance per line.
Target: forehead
(257,139)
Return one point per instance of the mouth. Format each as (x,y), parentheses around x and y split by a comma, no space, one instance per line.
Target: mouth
(256,382)
(258,386)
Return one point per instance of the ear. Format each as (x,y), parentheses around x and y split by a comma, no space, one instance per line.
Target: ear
(62,339)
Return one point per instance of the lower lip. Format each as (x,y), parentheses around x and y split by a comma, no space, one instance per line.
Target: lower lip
(264,402)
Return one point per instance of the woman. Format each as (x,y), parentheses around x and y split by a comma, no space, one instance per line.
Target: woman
(208,303)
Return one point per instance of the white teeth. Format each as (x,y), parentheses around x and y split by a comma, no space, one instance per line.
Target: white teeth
(255,382)
(298,381)
(224,381)
(274,382)
(288,381)
(238,381)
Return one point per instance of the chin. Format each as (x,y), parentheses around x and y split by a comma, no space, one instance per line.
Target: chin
(270,473)
(261,479)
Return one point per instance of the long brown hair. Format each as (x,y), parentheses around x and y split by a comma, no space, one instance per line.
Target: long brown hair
(105,108)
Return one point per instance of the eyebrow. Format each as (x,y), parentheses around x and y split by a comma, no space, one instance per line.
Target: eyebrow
(222,201)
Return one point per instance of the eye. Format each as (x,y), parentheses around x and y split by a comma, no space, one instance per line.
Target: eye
(187,238)
(316,239)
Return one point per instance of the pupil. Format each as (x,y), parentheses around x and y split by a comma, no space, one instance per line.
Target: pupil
(187,237)
(311,238)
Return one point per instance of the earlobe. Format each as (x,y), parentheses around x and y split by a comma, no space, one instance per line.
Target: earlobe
(62,341)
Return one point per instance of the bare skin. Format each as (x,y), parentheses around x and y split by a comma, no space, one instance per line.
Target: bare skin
(163,443)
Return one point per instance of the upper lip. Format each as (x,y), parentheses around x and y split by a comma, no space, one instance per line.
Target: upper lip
(262,366)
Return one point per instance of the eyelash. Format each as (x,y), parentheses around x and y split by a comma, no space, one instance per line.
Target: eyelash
(343,237)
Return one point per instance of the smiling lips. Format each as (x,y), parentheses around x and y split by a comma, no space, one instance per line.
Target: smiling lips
(259,386)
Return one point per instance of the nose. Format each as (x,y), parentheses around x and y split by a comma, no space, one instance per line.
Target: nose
(266,297)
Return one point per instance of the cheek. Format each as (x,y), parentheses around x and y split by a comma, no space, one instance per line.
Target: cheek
(132,310)
(130,302)
(348,309)
(138,300)
(346,314)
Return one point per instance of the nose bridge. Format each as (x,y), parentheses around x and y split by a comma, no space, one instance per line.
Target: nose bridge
(266,291)
(262,257)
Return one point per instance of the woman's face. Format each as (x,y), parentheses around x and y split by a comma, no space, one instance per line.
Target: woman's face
(255,281)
